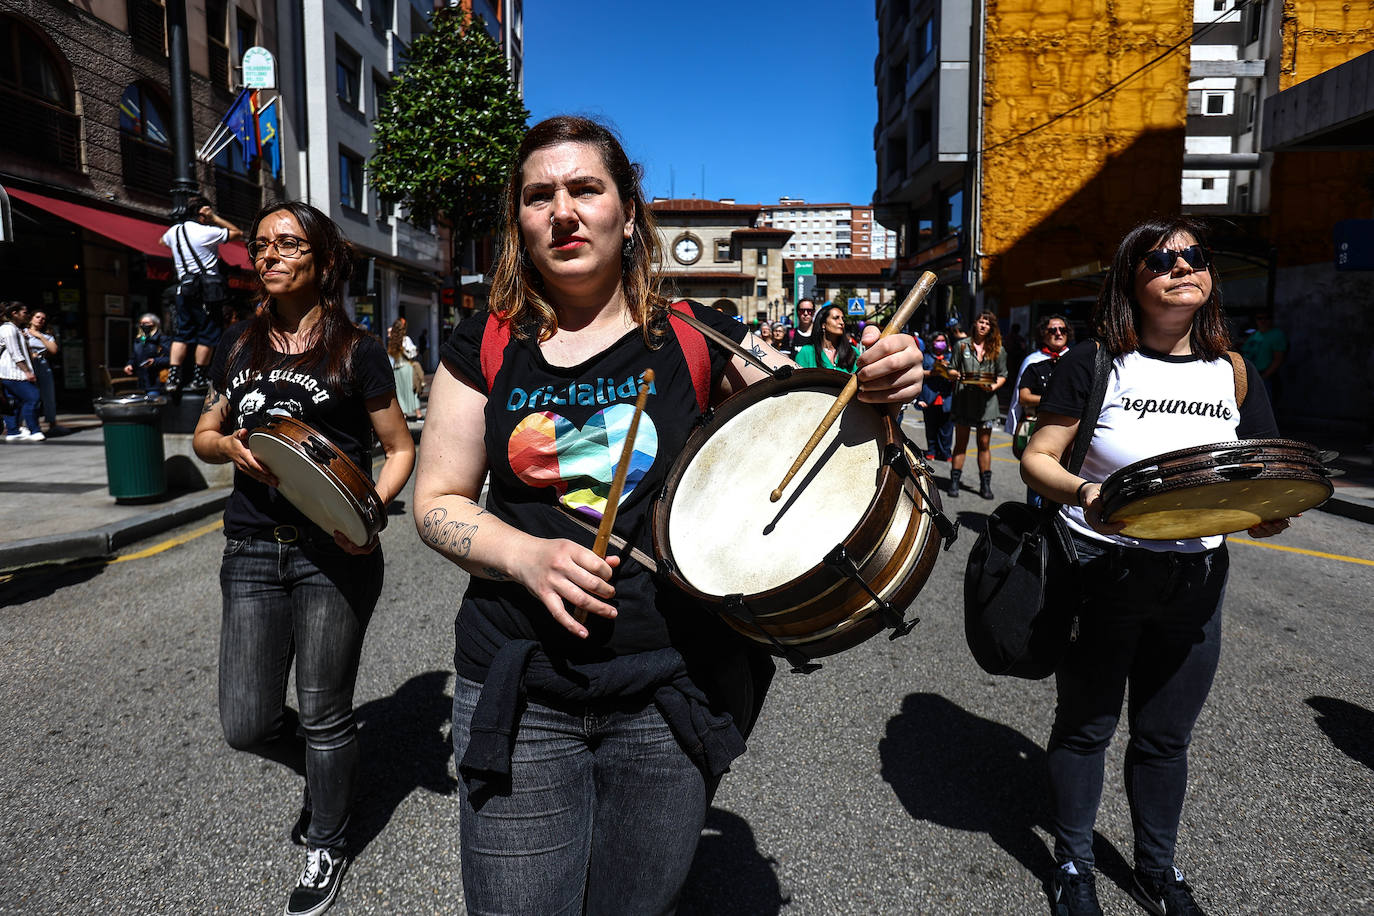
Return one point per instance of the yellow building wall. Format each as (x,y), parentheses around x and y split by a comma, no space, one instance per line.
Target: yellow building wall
(1321,34)
(1064,195)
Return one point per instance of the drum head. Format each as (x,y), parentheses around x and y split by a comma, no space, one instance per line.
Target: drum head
(312,489)
(1218,507)
(727,538)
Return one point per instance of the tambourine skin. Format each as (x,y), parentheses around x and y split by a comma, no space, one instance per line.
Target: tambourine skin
(319,479)
(1215,489)
(772,555)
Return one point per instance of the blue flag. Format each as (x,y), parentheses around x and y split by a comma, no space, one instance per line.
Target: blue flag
(239,120)
(269,129)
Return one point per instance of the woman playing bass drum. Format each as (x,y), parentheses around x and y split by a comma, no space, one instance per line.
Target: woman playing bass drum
(1150,617)
(594,711)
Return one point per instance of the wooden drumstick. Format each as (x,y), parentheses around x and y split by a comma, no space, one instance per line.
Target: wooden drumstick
(903,315)
(622,470)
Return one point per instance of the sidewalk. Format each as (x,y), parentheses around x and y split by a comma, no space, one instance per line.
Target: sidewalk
(57,504)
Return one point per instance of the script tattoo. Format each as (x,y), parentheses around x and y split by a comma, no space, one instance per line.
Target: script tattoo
(442,534)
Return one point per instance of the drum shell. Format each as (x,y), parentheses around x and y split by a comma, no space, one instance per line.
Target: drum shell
(315,447)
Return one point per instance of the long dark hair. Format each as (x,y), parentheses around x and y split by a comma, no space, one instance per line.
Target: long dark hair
(845,357)
(1116,318)
(334,335)
(517,289)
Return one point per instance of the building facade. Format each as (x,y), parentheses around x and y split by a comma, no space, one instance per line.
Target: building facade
(87,165)
(827,230)
(716,253)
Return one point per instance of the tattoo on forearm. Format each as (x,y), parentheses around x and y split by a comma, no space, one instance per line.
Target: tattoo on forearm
(211,400)
(441,534)
(491,572)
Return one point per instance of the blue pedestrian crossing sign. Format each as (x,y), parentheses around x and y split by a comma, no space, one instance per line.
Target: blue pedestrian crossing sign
(856,306)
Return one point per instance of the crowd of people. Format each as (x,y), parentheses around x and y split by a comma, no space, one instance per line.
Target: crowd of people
(594,713)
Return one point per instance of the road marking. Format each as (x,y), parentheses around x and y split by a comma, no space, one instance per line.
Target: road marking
(171,542)
(1309,553)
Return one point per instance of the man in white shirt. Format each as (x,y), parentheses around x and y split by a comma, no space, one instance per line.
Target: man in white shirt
(202,289)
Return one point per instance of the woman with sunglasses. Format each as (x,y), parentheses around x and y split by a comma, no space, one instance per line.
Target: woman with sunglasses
(152,354)
(975,406)
(1150,611)
(1055,334)
(290,588)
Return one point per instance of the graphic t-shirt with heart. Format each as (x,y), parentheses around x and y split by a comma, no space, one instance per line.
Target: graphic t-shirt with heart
(554,435)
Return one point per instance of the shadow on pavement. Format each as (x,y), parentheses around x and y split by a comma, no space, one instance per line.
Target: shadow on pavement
(977,522)
(34,582)
(959,770)
(404,740)
(1350,727)
(729,874)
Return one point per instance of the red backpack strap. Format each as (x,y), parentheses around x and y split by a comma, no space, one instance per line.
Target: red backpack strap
(693,344)
(495,336)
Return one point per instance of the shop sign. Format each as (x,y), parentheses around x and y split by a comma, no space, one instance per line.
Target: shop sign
(259,69)
(114,304)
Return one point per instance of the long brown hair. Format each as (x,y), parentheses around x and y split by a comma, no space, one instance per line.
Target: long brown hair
(334,334)
(395,340)
(1116,318)
(517,289)
(992,344)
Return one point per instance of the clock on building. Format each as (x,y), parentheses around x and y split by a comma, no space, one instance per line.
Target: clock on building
(687,249)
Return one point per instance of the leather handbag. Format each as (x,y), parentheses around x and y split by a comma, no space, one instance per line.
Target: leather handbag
(1021,582)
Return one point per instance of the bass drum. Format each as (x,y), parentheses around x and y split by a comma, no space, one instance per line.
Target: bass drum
(844,552)
(319,479)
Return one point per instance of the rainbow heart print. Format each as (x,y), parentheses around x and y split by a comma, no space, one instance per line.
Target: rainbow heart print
(546,449)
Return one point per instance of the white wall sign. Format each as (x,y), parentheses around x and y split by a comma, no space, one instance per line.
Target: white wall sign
(259,69)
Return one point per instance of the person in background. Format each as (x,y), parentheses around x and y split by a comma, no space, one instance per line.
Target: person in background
(42,346)
(402,370)
(782,338)
(195,244)
(806,318)
(1055,334)
(830,347)
(936,400)
(764,332)
(1266,346)
(18,376)
(975,407)
(151,354)
(1149,621)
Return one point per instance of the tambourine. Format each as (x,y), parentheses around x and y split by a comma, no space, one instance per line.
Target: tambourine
(319,479)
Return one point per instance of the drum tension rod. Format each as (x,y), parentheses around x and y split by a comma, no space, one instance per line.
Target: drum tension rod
(839,560)
(895,456)
(736,608)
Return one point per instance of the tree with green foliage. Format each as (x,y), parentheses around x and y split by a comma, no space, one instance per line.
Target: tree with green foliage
(447,133)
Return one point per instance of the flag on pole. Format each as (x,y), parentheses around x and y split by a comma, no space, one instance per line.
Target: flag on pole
(242,124)
(269,132)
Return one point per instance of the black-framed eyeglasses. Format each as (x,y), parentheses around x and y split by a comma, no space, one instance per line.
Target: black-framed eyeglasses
(288,246)
(1162,260)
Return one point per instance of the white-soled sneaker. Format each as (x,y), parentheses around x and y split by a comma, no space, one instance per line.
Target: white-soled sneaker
(319,882)
(20,436)
(35,437)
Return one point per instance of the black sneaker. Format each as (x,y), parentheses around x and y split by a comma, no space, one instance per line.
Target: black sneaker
(1169,895)
(1074,894)
(319,882)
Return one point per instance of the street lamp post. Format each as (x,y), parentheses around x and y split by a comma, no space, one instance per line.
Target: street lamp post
(183,143)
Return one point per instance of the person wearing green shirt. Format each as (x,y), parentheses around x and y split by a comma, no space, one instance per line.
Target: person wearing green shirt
(832,347)
(1266,347)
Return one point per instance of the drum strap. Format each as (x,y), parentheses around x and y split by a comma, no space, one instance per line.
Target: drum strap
(496,337)
(1238,370)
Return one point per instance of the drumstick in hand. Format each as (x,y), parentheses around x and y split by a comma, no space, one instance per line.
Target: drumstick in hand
(622,470)
(903,315)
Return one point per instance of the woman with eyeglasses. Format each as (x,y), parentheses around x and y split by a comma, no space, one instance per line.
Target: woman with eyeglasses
(975,406)
(1150,611)
(830,347)
(152,354)
(290,588)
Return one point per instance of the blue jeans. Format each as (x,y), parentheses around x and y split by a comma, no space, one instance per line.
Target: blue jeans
(48,391)
(1151,621)
(313,602)
(25,394)
(604,806)
(939,431)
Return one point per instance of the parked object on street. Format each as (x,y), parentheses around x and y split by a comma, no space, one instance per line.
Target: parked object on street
(134,454)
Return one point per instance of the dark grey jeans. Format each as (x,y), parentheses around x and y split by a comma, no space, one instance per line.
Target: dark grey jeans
(313,603)
(1151,621)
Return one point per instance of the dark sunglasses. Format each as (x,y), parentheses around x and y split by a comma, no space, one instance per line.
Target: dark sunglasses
(1056,331)
(806,311)
(147,327)
(1162,260)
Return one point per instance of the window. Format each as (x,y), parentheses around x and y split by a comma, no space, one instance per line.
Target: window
(237,192)
(350,180)
(1247,111)
(722,249)
(763,259)
(1216,103)
(36,98)
(761,290)
(217,41)
(380,88)
(1243,198)
(1218,5)
(143,144)
(1208,183)
(925,39)
(791,246)
(382,14)
(1252,21)
(148,27)
(347,67)
(954,211)
(246,28)
(419,25)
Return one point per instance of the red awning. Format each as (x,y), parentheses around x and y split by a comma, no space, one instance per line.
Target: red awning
(131,231)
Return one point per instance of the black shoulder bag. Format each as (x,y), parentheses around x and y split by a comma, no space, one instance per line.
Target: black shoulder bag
(211,287)
(1021,581)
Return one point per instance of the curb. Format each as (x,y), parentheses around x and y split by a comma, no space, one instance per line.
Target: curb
(105,540)
(1361,510)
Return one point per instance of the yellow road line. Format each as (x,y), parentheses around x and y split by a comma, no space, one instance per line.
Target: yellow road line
(171,542)
(1309,553)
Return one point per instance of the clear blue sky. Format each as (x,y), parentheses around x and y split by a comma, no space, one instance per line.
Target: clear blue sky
(772,98)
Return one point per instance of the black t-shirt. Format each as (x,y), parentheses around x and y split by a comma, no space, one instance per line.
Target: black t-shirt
(299,392)
(1036,378)
(553,438)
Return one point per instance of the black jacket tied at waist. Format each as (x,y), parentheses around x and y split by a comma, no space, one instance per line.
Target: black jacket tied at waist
(710,739)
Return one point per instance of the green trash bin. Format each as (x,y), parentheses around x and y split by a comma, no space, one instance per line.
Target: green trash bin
(133,445)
